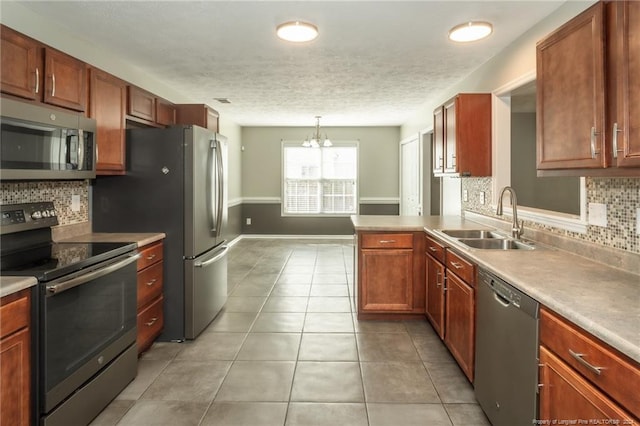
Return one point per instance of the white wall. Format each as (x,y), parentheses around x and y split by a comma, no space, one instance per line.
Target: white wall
(378,162)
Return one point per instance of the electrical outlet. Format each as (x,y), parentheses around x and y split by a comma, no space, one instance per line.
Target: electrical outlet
(465,195)
(598,214)
(75,203)
(482,200)
(248,221)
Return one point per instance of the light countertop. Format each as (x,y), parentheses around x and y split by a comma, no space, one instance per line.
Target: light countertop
(604,301)
(10,285)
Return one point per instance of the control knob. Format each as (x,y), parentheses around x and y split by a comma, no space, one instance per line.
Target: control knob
(52,213)
(45,213)
(36,215)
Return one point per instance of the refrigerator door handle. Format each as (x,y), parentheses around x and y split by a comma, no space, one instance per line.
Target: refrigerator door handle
(213,260)
(211,190)
(220,192)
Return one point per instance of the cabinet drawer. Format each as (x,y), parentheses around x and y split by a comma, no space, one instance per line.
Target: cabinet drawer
(151,253)
(434,248)
(149,284)
(618,376)
(14,312)
(461,267)
(150,323)
(395,241)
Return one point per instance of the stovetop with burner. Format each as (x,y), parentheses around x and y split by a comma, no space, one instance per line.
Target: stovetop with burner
(27,249)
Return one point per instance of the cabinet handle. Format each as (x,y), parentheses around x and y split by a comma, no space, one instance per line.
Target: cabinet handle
(615,139)
(37,80)
(53,85)
(581,360)
(387,241)
(151,257)
(152,282)
(456,265)
(593,142)
(433,249)
(150,323)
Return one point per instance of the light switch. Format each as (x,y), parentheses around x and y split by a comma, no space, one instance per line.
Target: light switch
(75,203)
(638,221)
(465,195)
(482,200)
(598,214)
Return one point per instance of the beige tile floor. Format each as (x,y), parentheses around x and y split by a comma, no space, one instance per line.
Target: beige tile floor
(288,350)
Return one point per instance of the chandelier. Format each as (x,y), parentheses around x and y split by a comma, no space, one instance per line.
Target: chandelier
(316,139)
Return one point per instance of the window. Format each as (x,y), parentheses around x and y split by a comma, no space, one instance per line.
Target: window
(320,181)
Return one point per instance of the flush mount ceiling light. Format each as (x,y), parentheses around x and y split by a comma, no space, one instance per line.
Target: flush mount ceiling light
(470,31)
(315,140)
(297,31)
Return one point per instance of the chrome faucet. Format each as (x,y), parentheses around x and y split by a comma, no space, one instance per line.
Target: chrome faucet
(516,228)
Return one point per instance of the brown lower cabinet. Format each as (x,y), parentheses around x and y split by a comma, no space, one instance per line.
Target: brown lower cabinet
(583,378)
(150,318)
(451,301)
(15,359)
(389,271)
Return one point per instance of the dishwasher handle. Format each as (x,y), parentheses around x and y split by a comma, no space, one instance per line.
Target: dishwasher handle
(501,300)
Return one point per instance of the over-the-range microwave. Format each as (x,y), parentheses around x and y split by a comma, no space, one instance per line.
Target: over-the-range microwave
(41,143)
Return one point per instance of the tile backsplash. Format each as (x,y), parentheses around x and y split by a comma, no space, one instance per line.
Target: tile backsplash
(59,192)
(621,196)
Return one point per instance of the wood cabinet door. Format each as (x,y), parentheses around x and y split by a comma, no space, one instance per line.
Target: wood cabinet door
(567,395)
(107,107)
(570,94)
(165,112)
(626,130)
(459,326)
(65,83)
(386,280)
(141,104)
(438,140)
(15,379)
(20,70)
(450,153)
(435,294)
(212,119)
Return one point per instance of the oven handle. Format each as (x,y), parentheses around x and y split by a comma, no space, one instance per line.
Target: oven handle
(75,282)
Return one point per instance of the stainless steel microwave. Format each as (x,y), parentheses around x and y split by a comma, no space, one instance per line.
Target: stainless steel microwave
(41,143)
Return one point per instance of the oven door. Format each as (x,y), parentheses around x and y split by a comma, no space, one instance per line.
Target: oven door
(88,319)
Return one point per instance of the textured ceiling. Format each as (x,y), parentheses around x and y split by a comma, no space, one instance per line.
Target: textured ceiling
(374,63)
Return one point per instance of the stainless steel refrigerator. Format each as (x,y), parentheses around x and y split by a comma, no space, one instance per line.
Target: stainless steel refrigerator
(175,183)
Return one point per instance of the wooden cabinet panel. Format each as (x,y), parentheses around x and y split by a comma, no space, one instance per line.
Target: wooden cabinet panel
(150,322)
(65,83)
(150,254)
(387,280)
(438,140)
(435,303)
(566,395)
(108,108)
(165,112)
(435,249)
(462,136)
(20,65)
(460,323)
(373,241)
(141,104)
(15,359)
(198,114)
(461,267)
(150,284)
(618,377)
(626,62)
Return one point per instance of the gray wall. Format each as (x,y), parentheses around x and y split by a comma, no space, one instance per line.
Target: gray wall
(559,194)
(262,178)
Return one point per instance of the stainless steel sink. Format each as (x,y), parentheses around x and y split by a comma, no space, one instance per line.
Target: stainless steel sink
(495,244)
(472,233)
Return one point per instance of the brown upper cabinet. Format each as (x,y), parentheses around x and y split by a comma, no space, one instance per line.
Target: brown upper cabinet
(33,71)
(21,66)
(462,136)
(587,88)
(141,104)
(165,112)
(108,108)
(199,114)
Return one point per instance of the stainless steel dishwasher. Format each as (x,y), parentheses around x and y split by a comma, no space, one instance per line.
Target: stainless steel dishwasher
(506,375)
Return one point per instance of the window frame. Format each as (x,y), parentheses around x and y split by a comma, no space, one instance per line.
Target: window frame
(335,144)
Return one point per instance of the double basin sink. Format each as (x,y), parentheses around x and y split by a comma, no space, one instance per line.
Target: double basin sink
(486,239)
